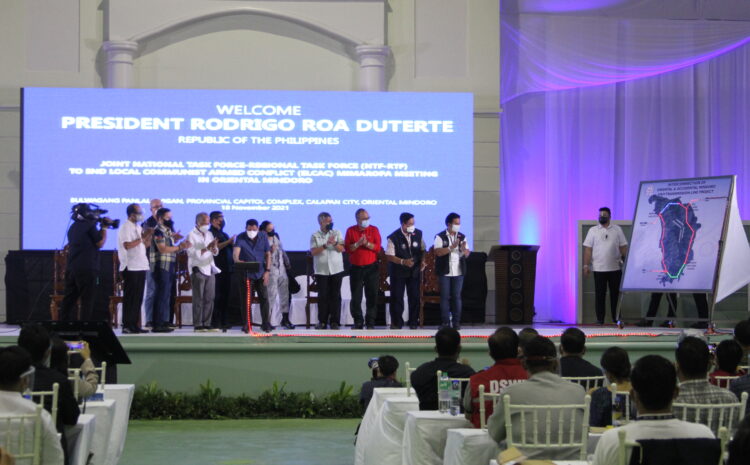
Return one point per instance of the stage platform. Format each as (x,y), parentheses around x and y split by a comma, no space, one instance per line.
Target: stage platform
(319,360)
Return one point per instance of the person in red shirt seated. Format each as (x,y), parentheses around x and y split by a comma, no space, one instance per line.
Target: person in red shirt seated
(506,371)
(362,242)
(728,357)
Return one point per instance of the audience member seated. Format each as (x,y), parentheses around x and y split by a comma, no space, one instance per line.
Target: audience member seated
(544,387)
(654,389)
(89,379)
(616,367)
(739,447)
(742,336)
(507,370)
(524,336)
(728,357)
(424,378)
(36,340)
(386,367)
(693,361)
(572,349)
(15,374)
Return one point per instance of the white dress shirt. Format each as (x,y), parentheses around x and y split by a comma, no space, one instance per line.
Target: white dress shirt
(454,261)
(605,246)
(330,261)
(12,403)
(134,258)
(197,258)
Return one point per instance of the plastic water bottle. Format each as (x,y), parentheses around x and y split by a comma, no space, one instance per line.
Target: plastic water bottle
(455,397)
(444,394)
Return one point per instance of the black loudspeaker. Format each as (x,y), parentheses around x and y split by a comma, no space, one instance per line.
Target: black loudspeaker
(515,276)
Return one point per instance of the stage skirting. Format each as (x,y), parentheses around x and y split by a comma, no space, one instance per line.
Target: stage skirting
(320,361)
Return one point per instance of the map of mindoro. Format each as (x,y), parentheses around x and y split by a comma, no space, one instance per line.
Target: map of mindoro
(679,227)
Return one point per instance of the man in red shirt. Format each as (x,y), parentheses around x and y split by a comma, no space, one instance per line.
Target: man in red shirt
(506,371)
(362,242)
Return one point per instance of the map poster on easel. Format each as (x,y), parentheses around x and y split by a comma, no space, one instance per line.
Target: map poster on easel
(678,228)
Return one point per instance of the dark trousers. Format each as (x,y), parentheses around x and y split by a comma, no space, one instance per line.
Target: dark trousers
(163,279)
(364,277)
(450,300)
(398,286)
(79,285)
(221,298)
(329,298)
(603,280)
(132,297)
(701,304)
(260,289)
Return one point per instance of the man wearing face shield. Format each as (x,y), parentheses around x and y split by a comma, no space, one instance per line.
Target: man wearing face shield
(252,246)
(404,252)
(327,247)
(131,251)
(16,373)
(603,249)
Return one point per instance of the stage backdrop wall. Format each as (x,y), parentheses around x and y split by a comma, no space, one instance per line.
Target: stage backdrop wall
(594,105)
(434,45)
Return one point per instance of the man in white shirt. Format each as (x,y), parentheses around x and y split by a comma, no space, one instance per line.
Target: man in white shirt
(450,265)
(202,269)
(654,382)
(327,247)
(603,249)
(15,371)
(131,251)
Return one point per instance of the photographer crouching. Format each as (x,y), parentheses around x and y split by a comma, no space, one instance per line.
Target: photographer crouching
(82,271)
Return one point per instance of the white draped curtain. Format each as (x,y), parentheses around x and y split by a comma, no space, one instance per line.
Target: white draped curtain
(594,105)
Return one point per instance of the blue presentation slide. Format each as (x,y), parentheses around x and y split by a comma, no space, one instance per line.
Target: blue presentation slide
(676,233)
(282,156)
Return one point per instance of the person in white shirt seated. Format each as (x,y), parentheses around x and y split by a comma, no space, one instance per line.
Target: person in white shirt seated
(15,374)
(664,437)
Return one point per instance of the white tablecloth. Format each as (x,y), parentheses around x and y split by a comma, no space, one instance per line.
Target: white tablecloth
(386,439)
(122,394)
(80,438)
(469,446)
(372,418)
(104,411)
(425,434)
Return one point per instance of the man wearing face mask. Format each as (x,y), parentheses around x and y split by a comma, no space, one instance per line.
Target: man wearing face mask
(278,280)
(149,225)
(131,251)
(603,250)
(362,241)
(327,247)
(16,372)
(252,246)
(404,253)
(163,260)
(223,262)
(36,341)
(451,251)
(202,271)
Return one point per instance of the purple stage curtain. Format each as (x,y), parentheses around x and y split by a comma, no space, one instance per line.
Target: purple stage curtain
(644,100)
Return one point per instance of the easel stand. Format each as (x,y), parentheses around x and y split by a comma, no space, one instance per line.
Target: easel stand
(248,268)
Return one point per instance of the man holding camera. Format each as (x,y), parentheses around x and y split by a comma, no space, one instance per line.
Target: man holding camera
(82,271)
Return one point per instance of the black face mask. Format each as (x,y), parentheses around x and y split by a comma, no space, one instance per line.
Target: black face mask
(169,224)
(222,224)
(603,220)
(271,233)
(329,226)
